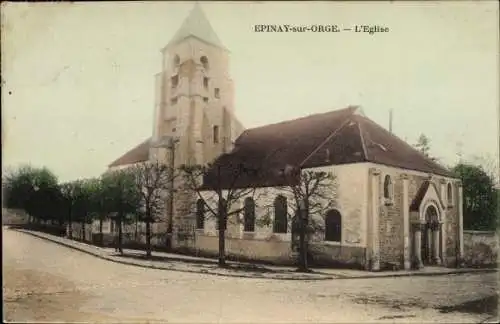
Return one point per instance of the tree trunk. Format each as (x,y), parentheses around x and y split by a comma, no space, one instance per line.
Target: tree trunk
(303,266)
(222,236)
(120,233)
(148,238)
(222,248)
(83,231)
(136,229)
(101,238)
(70,222)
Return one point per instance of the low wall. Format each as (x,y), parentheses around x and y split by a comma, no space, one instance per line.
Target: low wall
(480,248)
(130,237)
(260,250)
(324,254)
(14,217)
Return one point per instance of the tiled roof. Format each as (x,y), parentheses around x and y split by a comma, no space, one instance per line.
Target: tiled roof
(337,137)
(140,153)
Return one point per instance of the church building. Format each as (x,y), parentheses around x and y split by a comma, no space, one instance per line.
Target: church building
(394,207)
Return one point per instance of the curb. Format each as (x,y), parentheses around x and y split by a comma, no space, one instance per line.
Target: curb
(325,277)
(423,274)
(111,259)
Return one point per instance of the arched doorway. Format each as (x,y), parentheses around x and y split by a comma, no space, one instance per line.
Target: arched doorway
(431,235)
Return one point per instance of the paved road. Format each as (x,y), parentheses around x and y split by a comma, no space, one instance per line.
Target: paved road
(48,282)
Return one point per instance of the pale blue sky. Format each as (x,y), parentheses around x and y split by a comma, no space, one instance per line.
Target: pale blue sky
(82,86)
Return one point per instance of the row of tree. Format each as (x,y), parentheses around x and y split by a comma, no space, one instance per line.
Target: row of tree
(138,191)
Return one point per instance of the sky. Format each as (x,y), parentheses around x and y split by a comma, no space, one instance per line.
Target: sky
(78,78)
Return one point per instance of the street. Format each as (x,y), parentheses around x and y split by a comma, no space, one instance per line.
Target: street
(47,282)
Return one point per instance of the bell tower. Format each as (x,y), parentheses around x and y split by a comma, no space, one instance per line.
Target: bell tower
(194,120)
(194,95)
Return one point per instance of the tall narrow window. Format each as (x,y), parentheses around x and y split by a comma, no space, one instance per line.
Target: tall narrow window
(205,82)
(216,134)
(217,93)
(280,224)
(177,60)
(449,195)
(333,226)
(249,215)
(174,81)
(200,214)
(387,187)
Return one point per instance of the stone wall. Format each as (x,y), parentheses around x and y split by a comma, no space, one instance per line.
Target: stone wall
(480,248)
(391,224)
(324,254)
(261,250)
(391,232)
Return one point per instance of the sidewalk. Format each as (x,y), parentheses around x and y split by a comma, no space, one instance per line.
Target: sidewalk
(176,262)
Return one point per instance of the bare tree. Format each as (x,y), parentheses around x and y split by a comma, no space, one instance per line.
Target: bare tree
(423,145)
(152,181)
(224,191)
(313,193)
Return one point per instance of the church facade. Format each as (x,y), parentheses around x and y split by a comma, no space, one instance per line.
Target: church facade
(394,207)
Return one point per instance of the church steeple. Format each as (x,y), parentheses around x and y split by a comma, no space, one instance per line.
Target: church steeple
(197,25)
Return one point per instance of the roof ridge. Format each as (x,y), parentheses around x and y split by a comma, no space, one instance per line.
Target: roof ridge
(406,144)
(362,138)
(329,137)
(144,142)
(303,117)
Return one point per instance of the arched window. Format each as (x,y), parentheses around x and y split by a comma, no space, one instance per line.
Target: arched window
(387,187)
(249,215)
(200,214)
(449,195)
(333,226)
(204,61)
(177,60)
(280,224)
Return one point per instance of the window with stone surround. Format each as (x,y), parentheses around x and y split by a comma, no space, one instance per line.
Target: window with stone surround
(280,224)
(205,99)
(204,62)
(205,82)
(449,195)
(215,134)
(200,214)
(249,215)
(388,190)
(174,81)
(333,226)
(217,93)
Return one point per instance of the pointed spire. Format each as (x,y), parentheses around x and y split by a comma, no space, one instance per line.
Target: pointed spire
(196,24)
